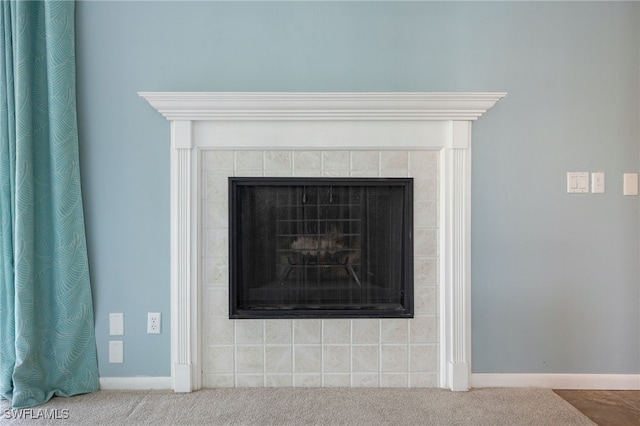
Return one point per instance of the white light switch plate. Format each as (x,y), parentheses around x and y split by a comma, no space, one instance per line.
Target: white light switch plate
(578,182)
(116,351)
(597,183)
(116,324)
(630,184)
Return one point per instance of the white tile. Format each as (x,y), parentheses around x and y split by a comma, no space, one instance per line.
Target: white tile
(425,188)
(425,271)
(425,242)
(249,359)
(425,214)
(423,358)
(217,160)
(394,160)
(336,173)
(365,380)
(249,380)
(307,380)
(307,359)
(277,160)
(394,358)
(248,173)
(278,359)
(220,359)
(219,381)
(307,161)
(278,173)
(216,272)
(364,173)
(365,358)
(365,331)
(216,214)
(401,173)
(425,300)
(215,185)
(336,331)
(336,380)
(394,330)
(218,331)
(307,331)
(278,331)
(249,160)
(423,329)
(249,331)
(278,380)
(336,359)
(335,160)
(217,302)
(394,380)
(365,160)
(423,380)
(216,243)
(424,160)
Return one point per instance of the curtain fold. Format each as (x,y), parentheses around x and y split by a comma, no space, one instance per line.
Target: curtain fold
(47,338)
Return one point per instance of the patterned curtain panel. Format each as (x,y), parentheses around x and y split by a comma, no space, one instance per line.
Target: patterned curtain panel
(47,340)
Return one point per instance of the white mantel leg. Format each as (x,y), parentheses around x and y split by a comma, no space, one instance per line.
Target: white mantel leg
(455,300)
(182,324)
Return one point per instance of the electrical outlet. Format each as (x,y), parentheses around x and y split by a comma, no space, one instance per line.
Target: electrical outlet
(153,322)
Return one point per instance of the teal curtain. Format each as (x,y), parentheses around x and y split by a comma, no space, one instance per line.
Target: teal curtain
(47,338)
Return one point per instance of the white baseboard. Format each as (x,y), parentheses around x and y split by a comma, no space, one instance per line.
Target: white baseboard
(558,381)
(134,383)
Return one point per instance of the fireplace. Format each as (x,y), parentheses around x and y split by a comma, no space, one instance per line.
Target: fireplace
(424,136)
(321,247)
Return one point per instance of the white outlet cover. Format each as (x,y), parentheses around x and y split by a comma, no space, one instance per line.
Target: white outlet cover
(116,324)
(597,183)
(154,322)
(116,351)
(630,184)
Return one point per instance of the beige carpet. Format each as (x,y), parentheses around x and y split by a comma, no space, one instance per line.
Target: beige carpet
(306,406)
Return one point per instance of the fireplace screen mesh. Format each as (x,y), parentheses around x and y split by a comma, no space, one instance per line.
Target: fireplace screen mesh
(319,247)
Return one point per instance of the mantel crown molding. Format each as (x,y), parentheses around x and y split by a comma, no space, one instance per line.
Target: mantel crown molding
(322,106)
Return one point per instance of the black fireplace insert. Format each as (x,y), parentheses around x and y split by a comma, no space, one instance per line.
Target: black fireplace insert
(320,247)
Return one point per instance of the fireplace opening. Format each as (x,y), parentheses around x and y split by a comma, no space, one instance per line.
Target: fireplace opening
(321,247)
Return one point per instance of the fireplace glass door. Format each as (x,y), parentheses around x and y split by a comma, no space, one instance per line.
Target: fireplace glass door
(320,247)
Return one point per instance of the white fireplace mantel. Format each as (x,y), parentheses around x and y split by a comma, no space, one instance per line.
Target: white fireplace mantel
(214,120)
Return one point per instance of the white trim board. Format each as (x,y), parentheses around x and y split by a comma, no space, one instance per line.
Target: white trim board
(135,383)
(558,381)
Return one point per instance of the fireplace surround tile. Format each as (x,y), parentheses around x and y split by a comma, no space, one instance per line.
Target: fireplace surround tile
(394,161)
(394,380)
(307,162)
(336,331)
(394,358)
(365,331)
(337,380)
(336,359)
(315,352)
(278,359)
(365,161)
(278,332)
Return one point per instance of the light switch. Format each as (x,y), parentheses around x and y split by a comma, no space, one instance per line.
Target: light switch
(630,184)
(578,182)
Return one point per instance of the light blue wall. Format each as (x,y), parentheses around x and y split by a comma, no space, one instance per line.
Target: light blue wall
(556,283)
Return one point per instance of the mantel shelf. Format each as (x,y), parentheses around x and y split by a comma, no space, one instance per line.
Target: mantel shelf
(322,106)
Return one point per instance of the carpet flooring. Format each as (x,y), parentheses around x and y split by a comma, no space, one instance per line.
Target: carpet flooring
(305,406)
